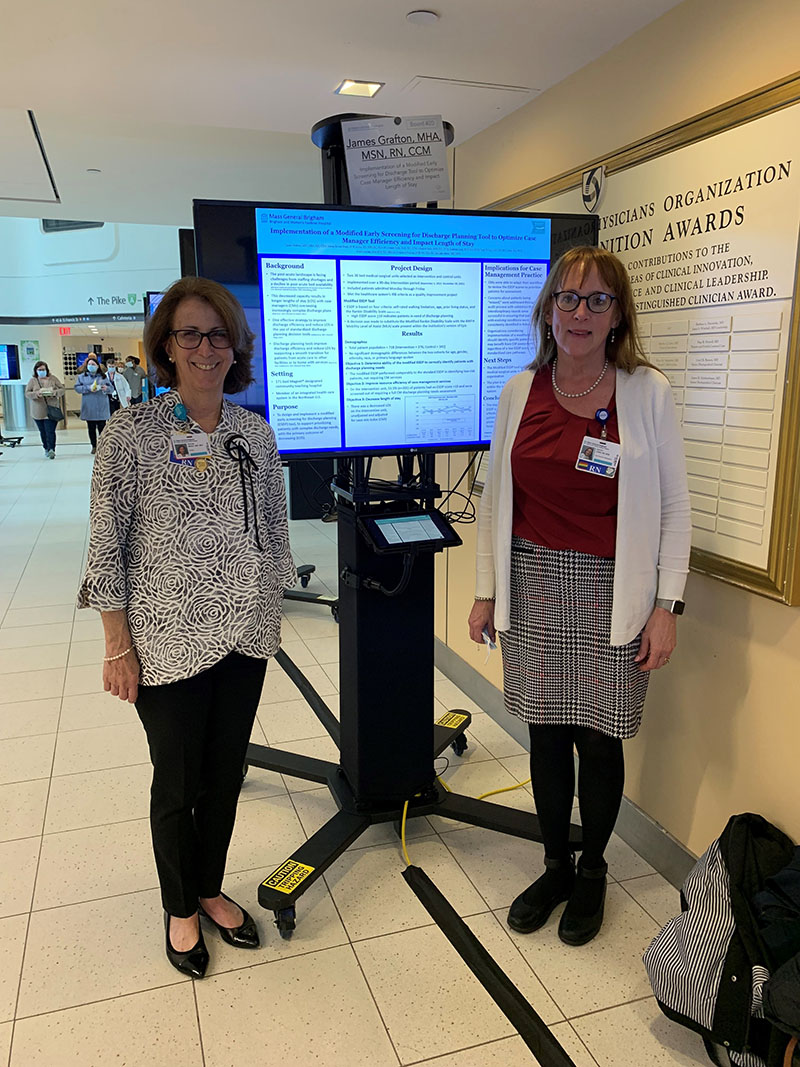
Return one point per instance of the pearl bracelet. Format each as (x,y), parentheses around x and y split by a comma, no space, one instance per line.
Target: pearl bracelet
(110,659)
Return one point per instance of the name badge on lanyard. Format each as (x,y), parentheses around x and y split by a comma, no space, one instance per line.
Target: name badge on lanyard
(190,450)
(598,455)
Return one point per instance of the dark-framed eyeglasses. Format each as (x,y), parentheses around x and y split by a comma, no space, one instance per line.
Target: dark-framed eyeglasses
(194,338)
(569,300)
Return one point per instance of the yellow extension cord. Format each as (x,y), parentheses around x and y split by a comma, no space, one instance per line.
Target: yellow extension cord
(444,785)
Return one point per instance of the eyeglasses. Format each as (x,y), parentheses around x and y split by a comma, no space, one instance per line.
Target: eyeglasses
(193,338)
(569,300)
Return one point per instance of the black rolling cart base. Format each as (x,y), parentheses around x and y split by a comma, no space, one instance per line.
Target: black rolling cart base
(304,572)
(281,889)
(386,734)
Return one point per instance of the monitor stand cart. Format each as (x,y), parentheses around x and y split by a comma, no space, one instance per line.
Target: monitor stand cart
(386,734)
(327,135)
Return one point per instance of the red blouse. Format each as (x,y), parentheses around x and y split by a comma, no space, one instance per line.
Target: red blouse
(556,505)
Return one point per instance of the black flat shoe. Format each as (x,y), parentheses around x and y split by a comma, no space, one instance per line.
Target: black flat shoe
(533,906)
(192,963)
(583,915)
(242,936)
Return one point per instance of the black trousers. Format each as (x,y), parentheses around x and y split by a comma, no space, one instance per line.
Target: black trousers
(95,428)
(198,731)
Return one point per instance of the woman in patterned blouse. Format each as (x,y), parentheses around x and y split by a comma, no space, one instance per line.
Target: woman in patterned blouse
(188,560)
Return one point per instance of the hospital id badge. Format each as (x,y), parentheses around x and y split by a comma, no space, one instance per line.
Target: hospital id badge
(598,456)
(189,449)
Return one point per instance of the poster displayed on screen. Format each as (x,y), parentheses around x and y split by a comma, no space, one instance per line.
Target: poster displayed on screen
(387,330)
(9,362)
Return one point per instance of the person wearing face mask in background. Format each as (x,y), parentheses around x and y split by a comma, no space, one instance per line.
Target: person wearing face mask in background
(42,390)
(121,396)
(95,390)
(134,376)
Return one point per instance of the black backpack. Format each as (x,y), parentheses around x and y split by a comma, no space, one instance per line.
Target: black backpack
(710,966)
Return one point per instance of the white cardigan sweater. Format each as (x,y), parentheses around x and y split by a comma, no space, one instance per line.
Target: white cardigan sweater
(653,514)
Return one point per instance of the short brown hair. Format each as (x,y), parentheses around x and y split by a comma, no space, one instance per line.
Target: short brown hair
(626,348)
(158,327)
(41,363)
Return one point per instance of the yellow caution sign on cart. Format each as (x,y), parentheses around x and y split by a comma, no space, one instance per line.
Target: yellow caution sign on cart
(452,720)
(288,876)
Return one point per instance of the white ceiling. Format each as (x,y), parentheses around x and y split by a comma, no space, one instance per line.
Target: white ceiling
(173,101)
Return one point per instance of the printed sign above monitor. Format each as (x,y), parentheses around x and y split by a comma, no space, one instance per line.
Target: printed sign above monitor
(382,330)
(396,160)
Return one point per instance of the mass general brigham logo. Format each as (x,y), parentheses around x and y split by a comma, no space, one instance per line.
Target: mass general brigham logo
(593,185)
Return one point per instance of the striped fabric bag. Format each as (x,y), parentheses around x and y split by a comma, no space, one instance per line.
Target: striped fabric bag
(708,965)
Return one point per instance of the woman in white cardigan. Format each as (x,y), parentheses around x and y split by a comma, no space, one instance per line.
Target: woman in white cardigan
(583,551)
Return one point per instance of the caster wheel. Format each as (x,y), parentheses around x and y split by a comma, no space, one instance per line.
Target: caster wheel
(459,746)
(304,580)
(285,921)
(335,612)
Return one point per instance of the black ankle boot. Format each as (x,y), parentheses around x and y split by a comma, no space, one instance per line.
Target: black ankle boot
(583,915)
(533,907)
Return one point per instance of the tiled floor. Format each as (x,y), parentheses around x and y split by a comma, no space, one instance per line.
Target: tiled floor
(368,980)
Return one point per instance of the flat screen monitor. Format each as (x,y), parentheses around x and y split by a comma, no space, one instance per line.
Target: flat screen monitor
(151,302)
(9,362)
(187,254)
(382,331)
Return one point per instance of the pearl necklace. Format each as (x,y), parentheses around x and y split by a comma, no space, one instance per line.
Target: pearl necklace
(574,396)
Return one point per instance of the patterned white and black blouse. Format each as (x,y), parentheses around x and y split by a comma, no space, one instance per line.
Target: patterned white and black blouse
(198,558)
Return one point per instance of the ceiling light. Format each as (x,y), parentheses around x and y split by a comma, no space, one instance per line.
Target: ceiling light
(349,87)
(422,18)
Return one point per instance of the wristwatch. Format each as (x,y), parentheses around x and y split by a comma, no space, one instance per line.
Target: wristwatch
(674,606)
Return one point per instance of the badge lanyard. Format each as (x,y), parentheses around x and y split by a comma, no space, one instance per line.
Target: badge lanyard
(193,450)
(186,448)
(598,455)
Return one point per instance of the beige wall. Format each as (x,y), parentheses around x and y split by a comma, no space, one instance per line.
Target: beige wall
(49,343)
(722,725)
(697,56)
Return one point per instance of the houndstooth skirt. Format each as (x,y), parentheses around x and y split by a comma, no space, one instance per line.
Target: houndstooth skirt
(559,668)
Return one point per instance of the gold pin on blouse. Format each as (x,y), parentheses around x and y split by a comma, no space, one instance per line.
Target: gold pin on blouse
(200,465)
